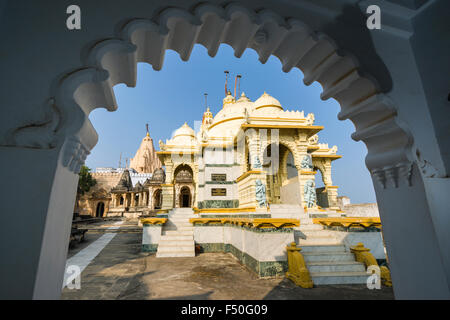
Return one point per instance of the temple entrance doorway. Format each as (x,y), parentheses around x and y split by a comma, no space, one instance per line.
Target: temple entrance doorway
(100,210)
(185,197)
(184,186)
(157,199)
(282,175)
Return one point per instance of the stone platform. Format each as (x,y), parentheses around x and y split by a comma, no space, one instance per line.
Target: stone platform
(122,271)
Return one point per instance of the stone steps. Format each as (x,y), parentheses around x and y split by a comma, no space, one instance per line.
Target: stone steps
(175,228)
(177,232)
(176,242)
(329,248)
(315,233)
(177,238)
(327,256)
(174,254)
(177,245)
(316,241)
(336,266)
(327,278)
(309,227)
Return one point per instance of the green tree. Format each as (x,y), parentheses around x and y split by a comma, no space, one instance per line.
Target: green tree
(85,181)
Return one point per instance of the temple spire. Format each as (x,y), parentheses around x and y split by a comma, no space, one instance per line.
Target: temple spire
(226,82)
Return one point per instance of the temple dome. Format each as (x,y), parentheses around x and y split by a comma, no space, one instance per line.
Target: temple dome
(184,130)
(228,120)
(267,101)
(183,136)
(158,176)
(235,109)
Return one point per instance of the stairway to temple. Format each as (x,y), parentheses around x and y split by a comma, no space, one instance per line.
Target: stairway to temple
(290,211)
(177,239)
(327,260)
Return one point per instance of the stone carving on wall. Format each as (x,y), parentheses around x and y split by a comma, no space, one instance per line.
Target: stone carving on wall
(309,194)
(307,162)
(260,193)
(184,175)
(36,133)
(394,175)
(310,119)
(314,139)
(257,163)
(333,150)
(169,28)
(162,146)
(204,136)
(74,154)
(246,116)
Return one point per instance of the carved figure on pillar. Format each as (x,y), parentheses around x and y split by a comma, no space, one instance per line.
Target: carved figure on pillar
(309,194)
(257,163)
(307,162)
(260,193)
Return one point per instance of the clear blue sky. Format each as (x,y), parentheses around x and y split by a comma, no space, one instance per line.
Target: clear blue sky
(167,98)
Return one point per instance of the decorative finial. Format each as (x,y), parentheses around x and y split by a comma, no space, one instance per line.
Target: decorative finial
(238,77)
(226,82)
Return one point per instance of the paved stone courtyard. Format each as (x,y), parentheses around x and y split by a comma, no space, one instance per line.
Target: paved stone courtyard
(122,271)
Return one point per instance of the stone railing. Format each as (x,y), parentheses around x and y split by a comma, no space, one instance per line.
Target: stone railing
(297,270)
(344,222)
(258,223)
(362,254)
(153,221)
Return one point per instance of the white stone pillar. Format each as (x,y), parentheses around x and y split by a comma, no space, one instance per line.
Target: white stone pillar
(34,236)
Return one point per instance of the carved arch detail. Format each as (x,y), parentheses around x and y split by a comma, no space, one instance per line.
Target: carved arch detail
(114,60)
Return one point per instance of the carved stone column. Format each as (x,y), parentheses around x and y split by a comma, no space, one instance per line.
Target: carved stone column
(332,197)
(326,175)
(167,194)
(145,204)
(133,199)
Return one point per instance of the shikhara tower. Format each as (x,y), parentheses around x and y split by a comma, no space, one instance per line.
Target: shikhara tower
(145,160)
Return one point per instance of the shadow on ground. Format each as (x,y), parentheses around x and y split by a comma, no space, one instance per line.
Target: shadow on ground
(122,271)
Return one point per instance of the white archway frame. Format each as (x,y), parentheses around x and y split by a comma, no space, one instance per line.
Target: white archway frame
(112,61)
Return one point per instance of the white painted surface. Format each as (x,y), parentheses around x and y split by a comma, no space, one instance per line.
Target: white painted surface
(151,235)
(83,258)
(263,246)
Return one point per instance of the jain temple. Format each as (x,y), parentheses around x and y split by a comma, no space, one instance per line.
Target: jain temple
(244,183)
(252,156)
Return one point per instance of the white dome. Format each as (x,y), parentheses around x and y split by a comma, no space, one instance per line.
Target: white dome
(266,101)
(184,130)
(183,136)
(236,109)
